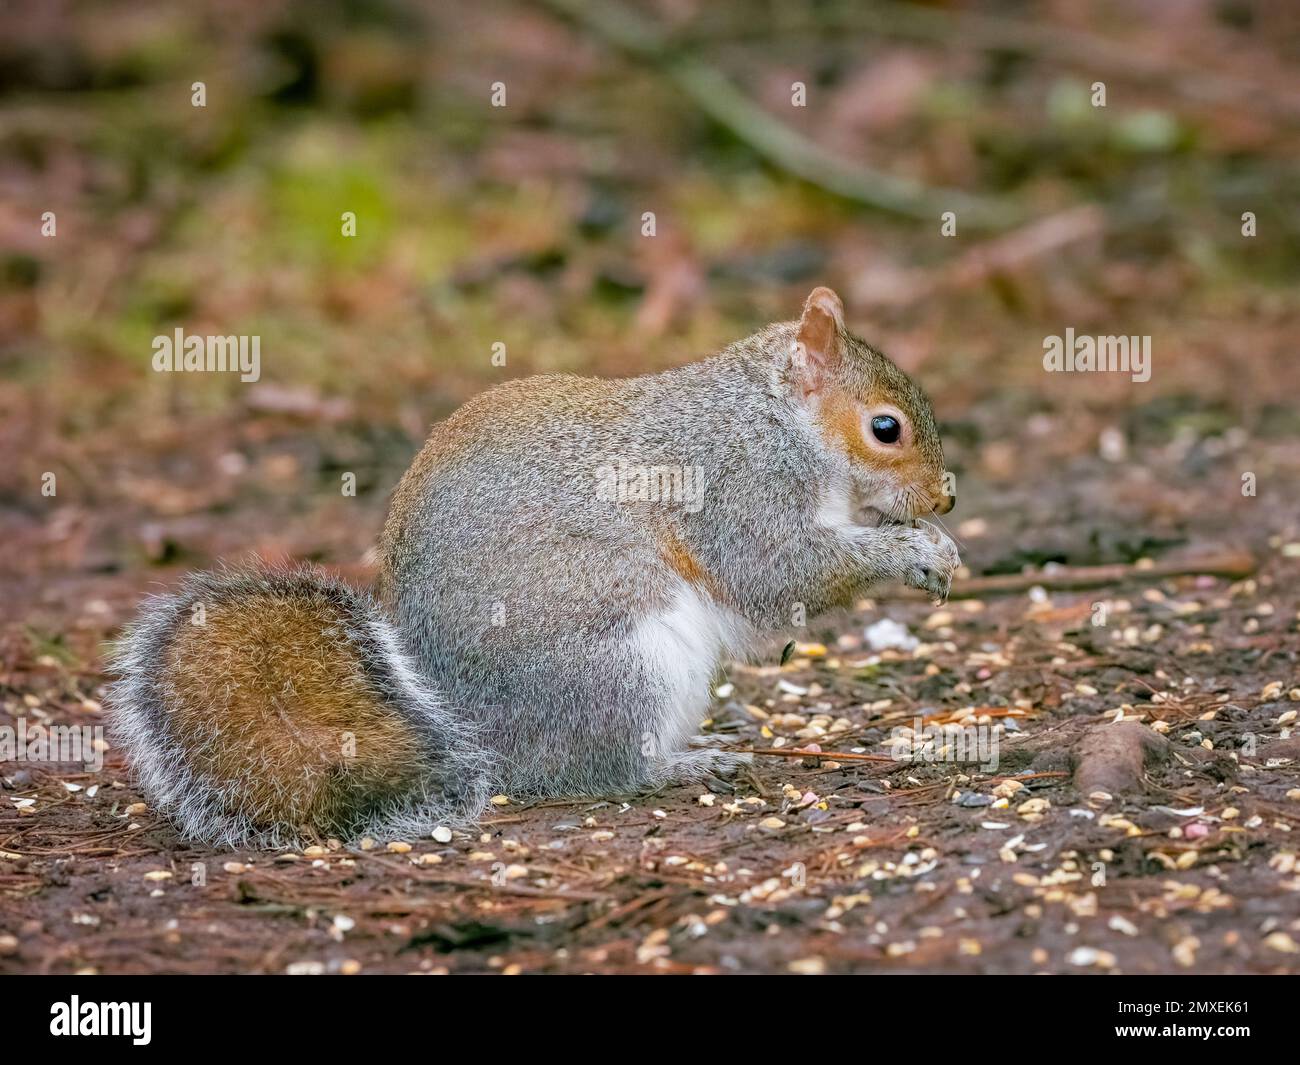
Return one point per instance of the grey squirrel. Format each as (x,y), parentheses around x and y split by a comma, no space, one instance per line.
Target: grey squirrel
(564,568)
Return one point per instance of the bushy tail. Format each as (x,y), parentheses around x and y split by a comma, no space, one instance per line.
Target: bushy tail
(268,707)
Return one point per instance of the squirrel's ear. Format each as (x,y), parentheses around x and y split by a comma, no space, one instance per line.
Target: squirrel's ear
(818,344)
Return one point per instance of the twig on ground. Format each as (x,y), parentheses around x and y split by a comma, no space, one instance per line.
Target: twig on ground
(1233,565)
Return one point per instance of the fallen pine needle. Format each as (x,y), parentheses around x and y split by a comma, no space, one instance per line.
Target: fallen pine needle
(834,756)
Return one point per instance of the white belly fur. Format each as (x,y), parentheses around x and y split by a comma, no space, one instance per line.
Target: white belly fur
(682,647)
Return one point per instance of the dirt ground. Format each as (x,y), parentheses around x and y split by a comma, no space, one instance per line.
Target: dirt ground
(811,865)
(1141,810)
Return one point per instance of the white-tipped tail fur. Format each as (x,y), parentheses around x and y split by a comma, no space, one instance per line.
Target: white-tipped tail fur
(222,743)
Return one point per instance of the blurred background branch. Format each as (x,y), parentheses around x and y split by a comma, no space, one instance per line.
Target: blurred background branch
(714,94)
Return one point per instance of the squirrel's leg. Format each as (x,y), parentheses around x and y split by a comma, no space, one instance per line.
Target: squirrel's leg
(711,767)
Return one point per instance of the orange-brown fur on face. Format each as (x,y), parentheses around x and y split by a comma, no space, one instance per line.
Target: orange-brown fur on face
(266,694)
(841,418)
(862,380)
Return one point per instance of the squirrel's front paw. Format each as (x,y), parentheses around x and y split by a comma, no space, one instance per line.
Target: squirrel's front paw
(928,558)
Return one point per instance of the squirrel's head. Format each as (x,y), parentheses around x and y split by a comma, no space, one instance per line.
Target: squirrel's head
(870,411)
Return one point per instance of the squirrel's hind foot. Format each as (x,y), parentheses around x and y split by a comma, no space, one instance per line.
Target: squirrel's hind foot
(702,766)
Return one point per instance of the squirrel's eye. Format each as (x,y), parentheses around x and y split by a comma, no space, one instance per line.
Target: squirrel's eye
(885,429)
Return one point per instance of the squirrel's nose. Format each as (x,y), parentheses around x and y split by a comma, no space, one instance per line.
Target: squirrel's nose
(946,503)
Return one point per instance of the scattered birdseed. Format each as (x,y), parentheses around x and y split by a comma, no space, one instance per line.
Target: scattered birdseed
(1033,809)
(1090,956)
(398,847)
(1184,951)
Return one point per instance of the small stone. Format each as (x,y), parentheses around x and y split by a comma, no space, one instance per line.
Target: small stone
(442,834)
(500,800)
